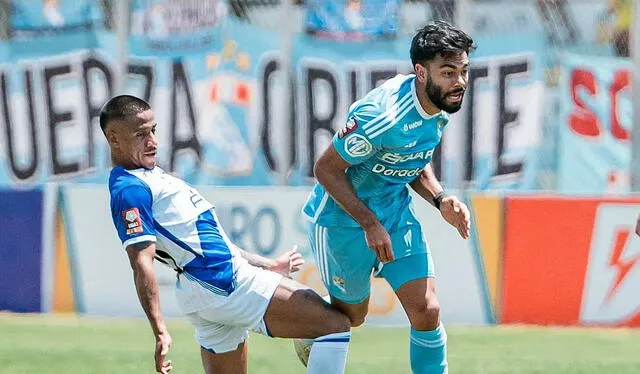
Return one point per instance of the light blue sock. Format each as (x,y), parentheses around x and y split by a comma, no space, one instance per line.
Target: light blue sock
(428,351)
(329,354)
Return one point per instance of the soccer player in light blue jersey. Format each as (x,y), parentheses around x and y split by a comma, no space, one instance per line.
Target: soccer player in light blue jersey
(222,290)
(360,212)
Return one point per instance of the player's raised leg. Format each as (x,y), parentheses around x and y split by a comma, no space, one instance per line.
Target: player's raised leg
(344,263)
(298,312)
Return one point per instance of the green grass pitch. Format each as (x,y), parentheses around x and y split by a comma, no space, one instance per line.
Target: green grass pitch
(70,345)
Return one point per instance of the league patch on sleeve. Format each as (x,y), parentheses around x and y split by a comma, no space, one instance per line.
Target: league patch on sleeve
(132,221)
(348,128)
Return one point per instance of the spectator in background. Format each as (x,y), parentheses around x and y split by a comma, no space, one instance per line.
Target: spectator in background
(5,15)
(353,20)
(444,10)
(557,22)
(620,37)
(353,15)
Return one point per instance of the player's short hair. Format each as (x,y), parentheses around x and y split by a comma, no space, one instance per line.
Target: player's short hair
(119,108)
(439,37)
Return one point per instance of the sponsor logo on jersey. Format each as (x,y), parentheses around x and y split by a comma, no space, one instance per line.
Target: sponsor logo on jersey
(357,145)
(412,125)
(348,128)
(381,169)
(395,158)
(132,221)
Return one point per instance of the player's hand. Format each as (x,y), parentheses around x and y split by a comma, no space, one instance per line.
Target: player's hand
(163,342)
(638,226)
(288,263)
(457,214)
(379,241)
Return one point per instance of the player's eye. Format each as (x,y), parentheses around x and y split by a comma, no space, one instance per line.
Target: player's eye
(139,135)
(447,73)
(153,130)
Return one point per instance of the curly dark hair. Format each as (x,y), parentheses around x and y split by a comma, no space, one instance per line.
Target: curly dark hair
(439,37)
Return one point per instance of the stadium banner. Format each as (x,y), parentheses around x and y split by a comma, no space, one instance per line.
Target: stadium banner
(21,250)
(211,86)
(37,28)
(571,261)
(351,20)
(491,143)
(266,221)
(223,110)
(595,144)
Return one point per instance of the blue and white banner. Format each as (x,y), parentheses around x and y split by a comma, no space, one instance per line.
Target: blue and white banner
(207,102)
(225,114)
(594,144)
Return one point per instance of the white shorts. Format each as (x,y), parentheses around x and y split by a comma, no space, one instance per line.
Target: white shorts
(225,322)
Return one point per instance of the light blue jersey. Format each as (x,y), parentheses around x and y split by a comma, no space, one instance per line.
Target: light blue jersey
(388,140)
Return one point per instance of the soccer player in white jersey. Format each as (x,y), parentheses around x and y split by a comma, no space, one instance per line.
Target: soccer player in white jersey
(360,210)
(222,290)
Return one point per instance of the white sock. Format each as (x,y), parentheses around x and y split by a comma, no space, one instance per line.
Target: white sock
(329,354)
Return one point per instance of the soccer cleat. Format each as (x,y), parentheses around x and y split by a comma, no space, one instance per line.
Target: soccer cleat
(303,349)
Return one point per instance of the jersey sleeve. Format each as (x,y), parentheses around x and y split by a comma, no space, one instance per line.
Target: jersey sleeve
(357,141)
(132,215)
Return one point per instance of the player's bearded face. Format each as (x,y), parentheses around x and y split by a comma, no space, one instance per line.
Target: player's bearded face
(448,100)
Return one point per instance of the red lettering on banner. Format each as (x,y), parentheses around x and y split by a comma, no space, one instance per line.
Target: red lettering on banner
(621,81)
(582,120)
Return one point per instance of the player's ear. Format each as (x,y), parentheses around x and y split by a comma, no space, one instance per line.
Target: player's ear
(421,72)
(112,137)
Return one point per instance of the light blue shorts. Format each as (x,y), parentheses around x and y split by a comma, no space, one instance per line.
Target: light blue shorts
(346,264)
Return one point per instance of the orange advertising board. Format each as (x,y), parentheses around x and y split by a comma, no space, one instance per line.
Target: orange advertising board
(571,261)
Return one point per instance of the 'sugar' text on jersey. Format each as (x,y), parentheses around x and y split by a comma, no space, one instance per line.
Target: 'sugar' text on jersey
(390,158)
(396,158)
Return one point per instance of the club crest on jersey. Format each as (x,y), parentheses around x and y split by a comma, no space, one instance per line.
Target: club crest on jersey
(132,221)
(357,145)
(348,128)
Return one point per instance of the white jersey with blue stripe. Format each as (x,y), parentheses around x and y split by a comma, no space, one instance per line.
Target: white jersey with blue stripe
(388,140)
(151,205)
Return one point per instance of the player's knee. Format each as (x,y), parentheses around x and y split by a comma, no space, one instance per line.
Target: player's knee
(432,310)
(425,315)
(357,319)
(336,322)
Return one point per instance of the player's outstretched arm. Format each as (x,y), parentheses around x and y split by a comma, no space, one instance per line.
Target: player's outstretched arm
(453,210)
(141,260)
(329,170)
(285,264)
